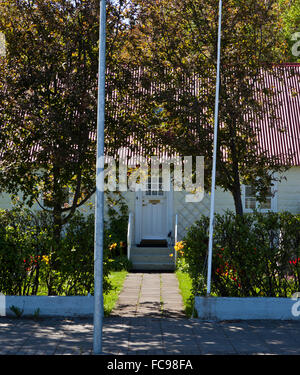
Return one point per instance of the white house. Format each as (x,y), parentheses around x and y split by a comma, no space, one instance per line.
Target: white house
(163,216)
(158,218)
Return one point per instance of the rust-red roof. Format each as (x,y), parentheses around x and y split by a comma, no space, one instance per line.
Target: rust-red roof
(279,139)
(283,139)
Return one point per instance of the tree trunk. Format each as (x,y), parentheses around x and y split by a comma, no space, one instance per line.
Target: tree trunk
(237,197)
(57,206)
(57,222)
(57,225)
(236,186)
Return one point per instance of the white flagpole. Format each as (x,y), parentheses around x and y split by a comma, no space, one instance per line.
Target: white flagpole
(213,181)
(99,209)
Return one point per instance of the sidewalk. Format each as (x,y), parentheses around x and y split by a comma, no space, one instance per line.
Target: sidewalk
(149,319)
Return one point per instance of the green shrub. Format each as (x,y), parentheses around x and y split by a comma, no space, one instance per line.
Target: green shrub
(116,225)
(254,255)
(121,263)
(32,263)
(71,267)
(24,240)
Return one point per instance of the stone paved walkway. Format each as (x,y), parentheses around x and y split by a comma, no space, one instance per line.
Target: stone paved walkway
(150,295)
(149,319)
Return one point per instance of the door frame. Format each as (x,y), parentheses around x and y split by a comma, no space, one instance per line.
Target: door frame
(138,214)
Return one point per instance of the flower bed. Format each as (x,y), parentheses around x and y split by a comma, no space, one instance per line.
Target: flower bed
(32,264)
(254,256)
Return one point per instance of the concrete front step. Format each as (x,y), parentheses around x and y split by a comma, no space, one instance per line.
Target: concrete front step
(156,258)
(152,259)
(139,266)
(151,250)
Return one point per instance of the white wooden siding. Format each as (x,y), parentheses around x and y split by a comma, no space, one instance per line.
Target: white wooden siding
(288,196)
(288,199)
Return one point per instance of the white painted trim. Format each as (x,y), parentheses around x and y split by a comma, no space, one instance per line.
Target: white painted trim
(138,217)
(274,200)
(129,234)
(153,238)
(170,204)
(70,306)
(244,308)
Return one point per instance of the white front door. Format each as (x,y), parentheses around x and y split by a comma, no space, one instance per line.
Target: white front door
(152,212)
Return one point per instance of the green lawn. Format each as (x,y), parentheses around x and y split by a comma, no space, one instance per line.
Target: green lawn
(117,279)
(185,285)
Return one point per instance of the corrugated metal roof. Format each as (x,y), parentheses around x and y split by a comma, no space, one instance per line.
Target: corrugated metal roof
(281,141)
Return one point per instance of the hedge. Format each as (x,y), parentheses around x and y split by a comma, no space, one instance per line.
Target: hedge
(31,264)
(254,255)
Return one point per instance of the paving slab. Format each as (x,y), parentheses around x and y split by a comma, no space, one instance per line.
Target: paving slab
(149,321)
(134,335)
(155,294)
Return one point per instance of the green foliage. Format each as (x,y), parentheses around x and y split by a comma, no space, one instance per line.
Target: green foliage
(116,226)
(36,314)
(24,239)
(176,42)
(121,263)
(48,100)
(185,286)
(181,264)
(116,279)
(52,60)
(290,14)
(116,232)
(254,255)
(70,268)
(31,261)
(16,310)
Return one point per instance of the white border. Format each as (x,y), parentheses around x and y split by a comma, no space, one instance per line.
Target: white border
(246,308)
(2,305)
